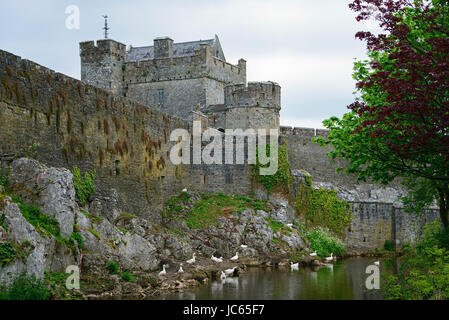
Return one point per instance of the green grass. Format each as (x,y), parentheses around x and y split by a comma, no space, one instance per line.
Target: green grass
(128,215)
(95,233)
(210,207)
(45,225)
(128,276)
(113,267)
(277,226)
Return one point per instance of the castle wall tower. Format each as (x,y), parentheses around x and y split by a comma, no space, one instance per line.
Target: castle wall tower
(103,64)
(254,106)
(163,48)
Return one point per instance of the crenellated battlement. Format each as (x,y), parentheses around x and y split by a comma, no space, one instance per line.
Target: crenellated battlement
(304,132)
(91,51)
(256,94)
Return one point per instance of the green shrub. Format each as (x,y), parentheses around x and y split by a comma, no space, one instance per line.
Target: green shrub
(25,288)
(76,239)
(323,208)
(127,276)
(389,245)
(113,267)
(45,225)
(84,188)
(322,241)
(281,179)
(8,254)
(424,270)
(3,180)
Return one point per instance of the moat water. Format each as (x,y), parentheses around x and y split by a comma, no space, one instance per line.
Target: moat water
(344,281)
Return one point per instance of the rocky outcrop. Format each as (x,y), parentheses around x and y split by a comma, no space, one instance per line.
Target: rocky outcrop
(135,243)
(51,189)
(36,253)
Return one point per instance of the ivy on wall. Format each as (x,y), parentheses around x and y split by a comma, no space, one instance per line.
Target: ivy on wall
(282,179)
(84,188)
(320,207)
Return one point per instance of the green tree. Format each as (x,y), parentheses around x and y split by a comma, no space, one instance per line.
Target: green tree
(398,126)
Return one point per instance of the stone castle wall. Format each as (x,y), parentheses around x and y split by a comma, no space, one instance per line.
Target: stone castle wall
(376,215)
(72,123)
(374,223)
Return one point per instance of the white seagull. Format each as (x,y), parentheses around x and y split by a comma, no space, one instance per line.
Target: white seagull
(330,258)
(223,276)
(236,257)
(244,246)
(181,270)
(294,266)
(163,272)
(228,272)
(217,260)
(192,260)
(313,254)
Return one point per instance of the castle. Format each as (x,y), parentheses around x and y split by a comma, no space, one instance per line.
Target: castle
(118,119)
(187,80)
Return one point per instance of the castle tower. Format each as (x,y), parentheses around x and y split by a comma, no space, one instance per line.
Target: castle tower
(163,48)
(254,106)
(103,64)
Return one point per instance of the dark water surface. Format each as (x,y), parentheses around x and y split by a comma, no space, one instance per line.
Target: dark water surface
(344,281)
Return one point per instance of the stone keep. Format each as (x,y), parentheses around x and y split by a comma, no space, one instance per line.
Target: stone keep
(102,64)
(182,78)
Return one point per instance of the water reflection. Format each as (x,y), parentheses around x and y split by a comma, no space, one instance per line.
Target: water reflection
(344,280)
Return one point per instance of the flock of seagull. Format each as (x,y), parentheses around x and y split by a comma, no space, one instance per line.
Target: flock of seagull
(224,274)
(229,272)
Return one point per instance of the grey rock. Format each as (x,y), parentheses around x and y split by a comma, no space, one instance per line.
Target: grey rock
(51,189)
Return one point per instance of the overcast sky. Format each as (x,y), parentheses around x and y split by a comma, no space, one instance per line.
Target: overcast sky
(308,47)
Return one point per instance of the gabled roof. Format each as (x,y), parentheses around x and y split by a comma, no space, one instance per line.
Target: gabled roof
(182,49)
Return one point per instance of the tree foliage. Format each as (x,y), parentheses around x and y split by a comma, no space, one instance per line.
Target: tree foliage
(399,124)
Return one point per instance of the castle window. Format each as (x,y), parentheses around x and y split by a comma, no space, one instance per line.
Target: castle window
(160,96)
(228,178)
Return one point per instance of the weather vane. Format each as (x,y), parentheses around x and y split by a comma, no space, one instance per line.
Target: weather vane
(106,27)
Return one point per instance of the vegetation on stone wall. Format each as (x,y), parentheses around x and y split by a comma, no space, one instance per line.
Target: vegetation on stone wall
(8,254)
(320,207)
(84,188)
(324,242)
(281,180)
(26,288)
(424,270)
(45,225)
(208,208)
